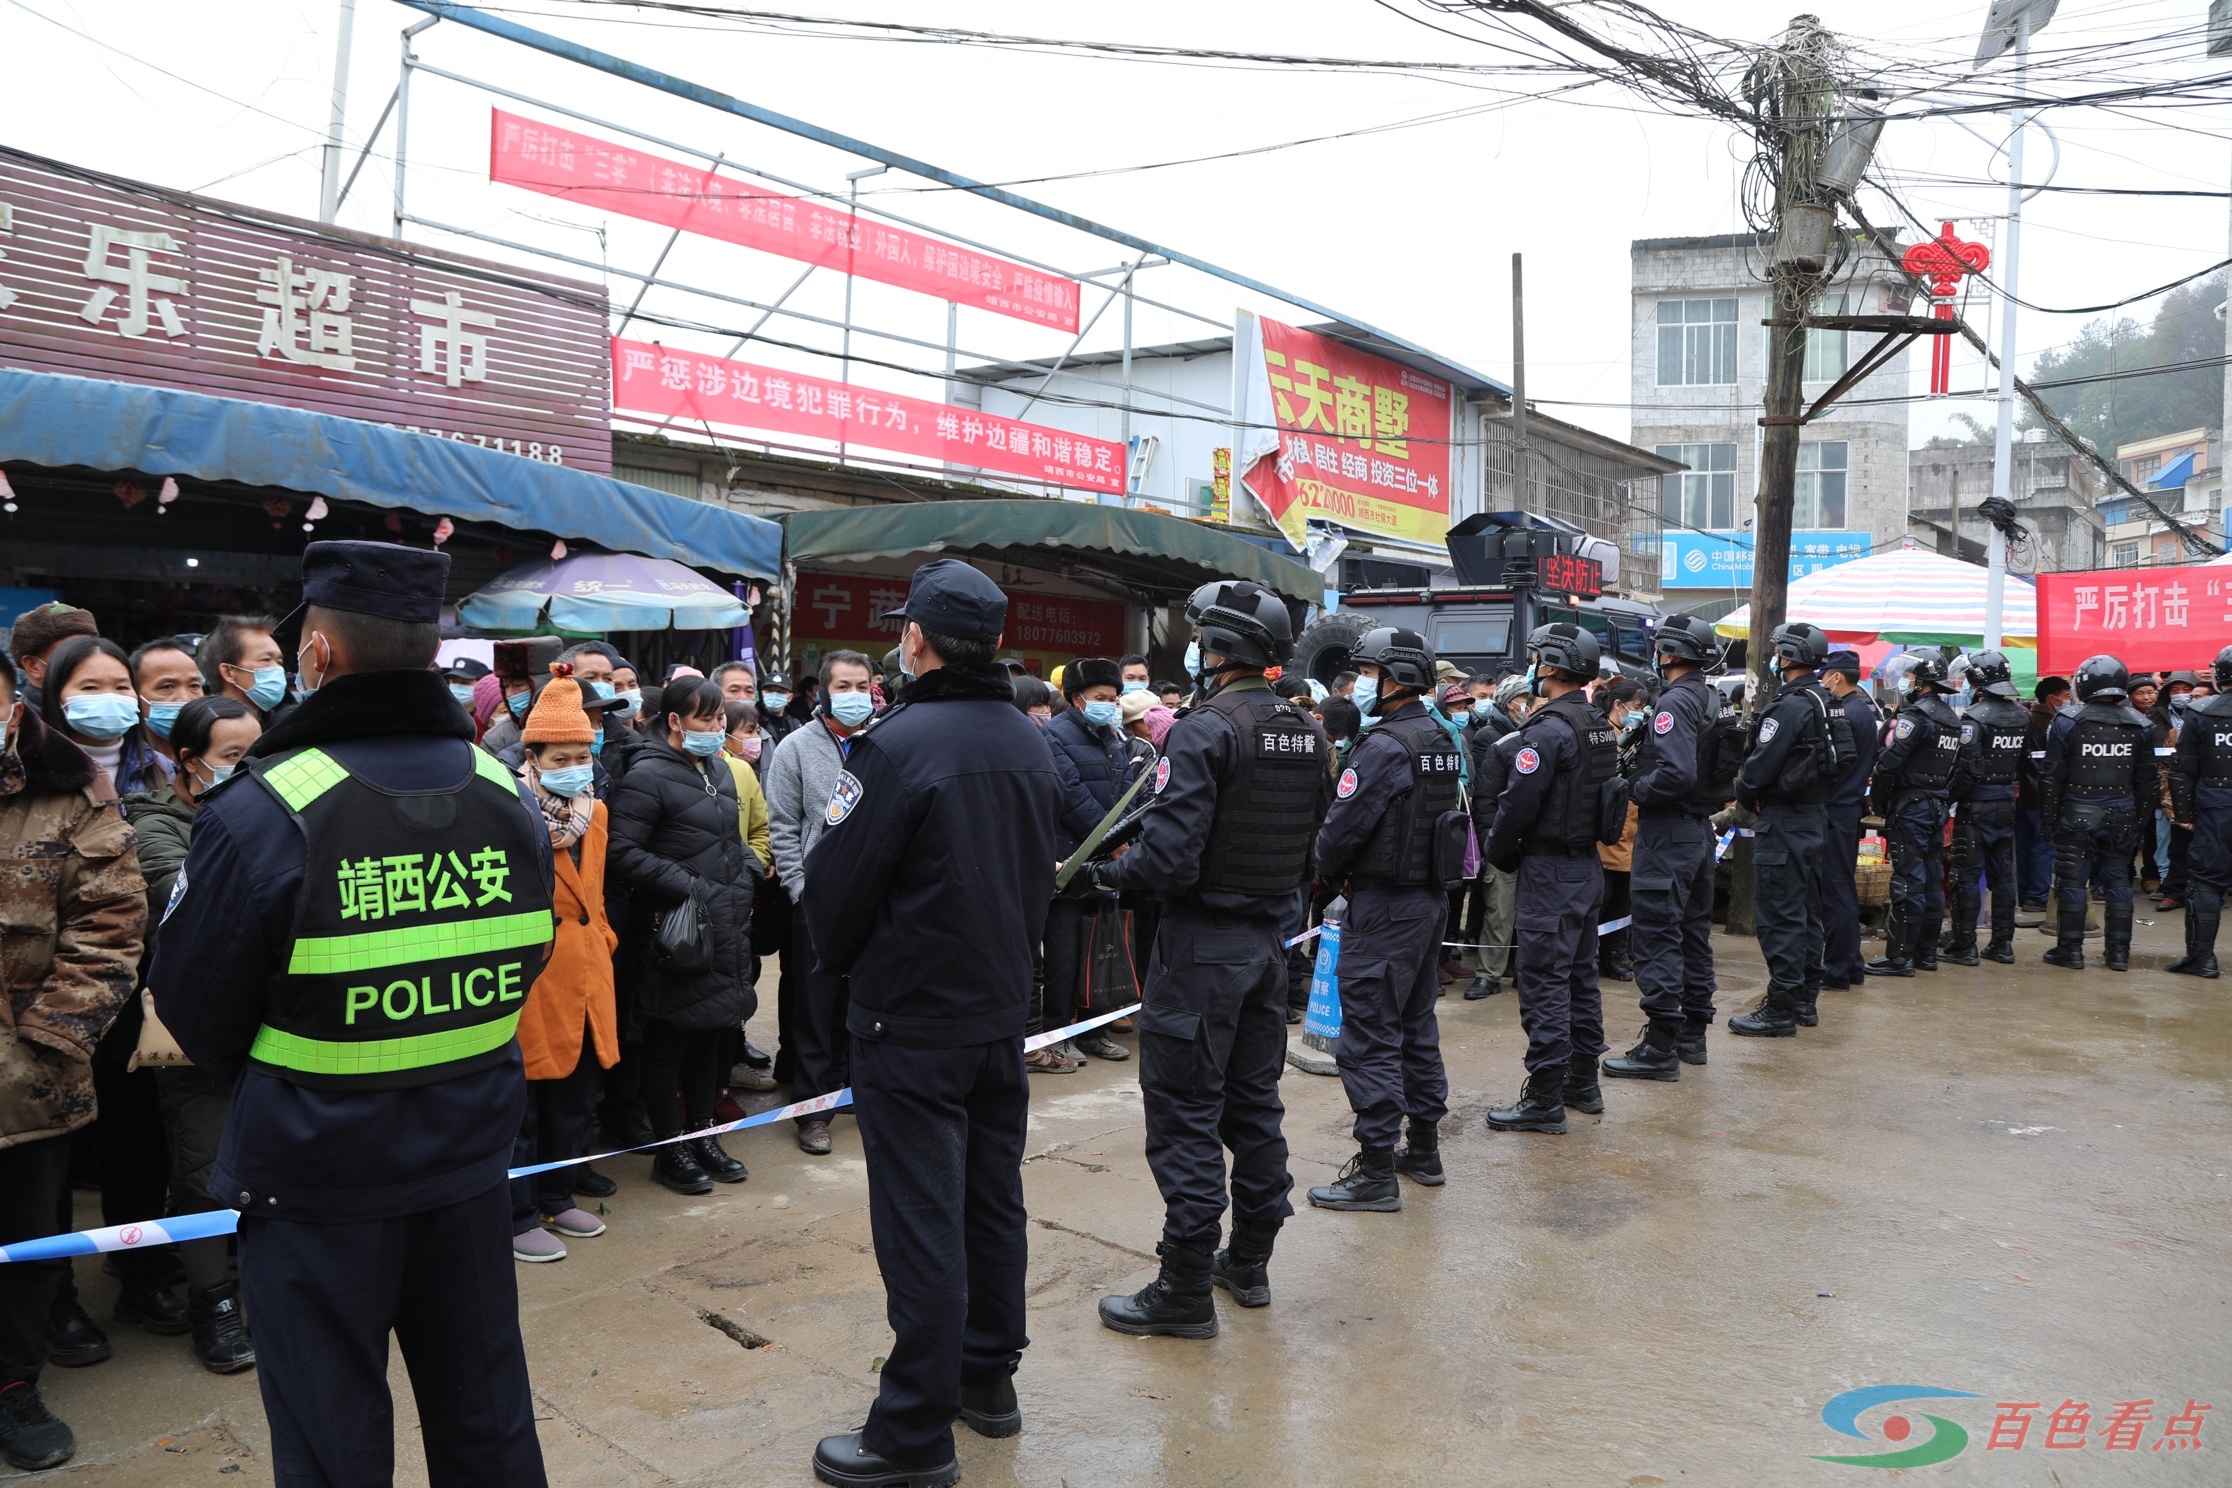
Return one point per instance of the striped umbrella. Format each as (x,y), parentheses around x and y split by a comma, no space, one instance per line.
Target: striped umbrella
(1904,595)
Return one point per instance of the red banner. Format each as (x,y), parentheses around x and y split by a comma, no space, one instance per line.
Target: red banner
(693,386)
(2150,619)
(617,178)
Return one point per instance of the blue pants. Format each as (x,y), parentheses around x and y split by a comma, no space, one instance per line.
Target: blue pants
(1390,1048)
(1670,894)
(1841,962)
(943,1132)
(1559,1004)
(1786,899)
(2034,858)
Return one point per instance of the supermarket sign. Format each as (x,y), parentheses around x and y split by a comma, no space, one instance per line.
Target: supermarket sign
(1723,560)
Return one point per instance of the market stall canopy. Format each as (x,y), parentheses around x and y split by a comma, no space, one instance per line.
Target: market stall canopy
(593,593)
(1905,595)
(1145,550)
(52,420)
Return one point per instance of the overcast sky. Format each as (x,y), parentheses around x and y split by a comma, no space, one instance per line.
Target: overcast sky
(1409,229)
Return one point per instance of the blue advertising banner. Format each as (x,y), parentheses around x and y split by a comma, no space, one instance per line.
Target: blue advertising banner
(1723,560)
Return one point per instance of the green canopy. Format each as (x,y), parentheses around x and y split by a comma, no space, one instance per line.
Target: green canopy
(1143,550)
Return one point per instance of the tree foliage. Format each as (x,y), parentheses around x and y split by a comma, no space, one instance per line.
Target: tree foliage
(2185,329)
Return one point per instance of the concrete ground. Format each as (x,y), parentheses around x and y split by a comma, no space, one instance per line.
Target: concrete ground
(2010,1181)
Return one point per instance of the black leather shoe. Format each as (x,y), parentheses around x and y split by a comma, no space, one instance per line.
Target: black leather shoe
(1366,1185)
(1175,1304)
(718,1165)
(1690,1047)
(990,1408)
(1540,1107)
(30,1436)
(1651,1059)
(843,1461)
(1419,1158)
(677,1167)
(2002,951)
(1773,1018)
(1483,986)
(73,1340)
(758,1059)
(157,1309)
(624,1132)
(1582,1092)
(590,1183)
(220,1336)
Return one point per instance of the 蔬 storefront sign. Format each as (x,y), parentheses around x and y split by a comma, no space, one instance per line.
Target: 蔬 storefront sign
(2150,619)
(107,278)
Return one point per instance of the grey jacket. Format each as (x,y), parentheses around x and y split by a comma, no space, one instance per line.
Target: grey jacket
(800,776)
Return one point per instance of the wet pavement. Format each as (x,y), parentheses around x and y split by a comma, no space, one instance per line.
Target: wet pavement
(2008,1181)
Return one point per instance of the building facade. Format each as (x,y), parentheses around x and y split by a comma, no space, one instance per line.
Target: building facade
(2184,475)
(2057,495)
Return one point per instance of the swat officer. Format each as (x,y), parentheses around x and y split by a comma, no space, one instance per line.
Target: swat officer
(1388,835)
(1983,791)
(1842,965)
(2098,772)
(356,927)
(1677,786)
(1240,792)
(1911,779)
(1548,824)
(2201,803)
(1795,758)
(931,883)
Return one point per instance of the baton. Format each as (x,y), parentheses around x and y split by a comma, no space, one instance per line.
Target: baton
(1076,860)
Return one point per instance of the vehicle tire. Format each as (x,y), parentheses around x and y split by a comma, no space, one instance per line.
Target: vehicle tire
(1325,649)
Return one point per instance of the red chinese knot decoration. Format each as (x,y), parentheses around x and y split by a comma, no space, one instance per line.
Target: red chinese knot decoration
(1945,261)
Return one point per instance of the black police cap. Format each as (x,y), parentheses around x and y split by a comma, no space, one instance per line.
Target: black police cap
(373,578)
(950,598)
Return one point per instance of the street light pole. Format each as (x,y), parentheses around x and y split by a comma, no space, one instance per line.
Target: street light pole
(329,186)
(2003,440)
(852,230)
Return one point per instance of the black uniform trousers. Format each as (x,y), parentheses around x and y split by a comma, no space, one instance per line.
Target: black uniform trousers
(1984,843)
(557,1120)
(1916,828)
(2209,855)
(1390,1048)
(1841,961)
(1068,922)
(1212,1044)
(2084,855)
(1786,901)
(324,1298)
(1670,895)
(1555,930)
(34,1203)
(818,1003)
(943,1132)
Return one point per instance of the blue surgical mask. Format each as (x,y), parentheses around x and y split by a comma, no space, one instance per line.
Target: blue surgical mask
(160,717)
(1132,687)
(462,691)
(1364,694)
(704,745)
(519,703)
(1193,659)
(634,695)
(271,686)
(218,775)
(1101,715)
(596,743)
(851,708)
(602,690)
(574,779)
(1534,680)
(102,715)
(776,702)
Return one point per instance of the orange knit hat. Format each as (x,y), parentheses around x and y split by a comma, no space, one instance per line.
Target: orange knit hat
(558,717)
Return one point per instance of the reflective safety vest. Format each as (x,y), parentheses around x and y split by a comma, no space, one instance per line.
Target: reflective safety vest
(419,928)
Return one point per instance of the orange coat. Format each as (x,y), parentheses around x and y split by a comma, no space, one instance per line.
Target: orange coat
(575,988)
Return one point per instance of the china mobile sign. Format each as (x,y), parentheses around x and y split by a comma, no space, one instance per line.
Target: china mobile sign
(2150,619)
(1723,560)
(108,278)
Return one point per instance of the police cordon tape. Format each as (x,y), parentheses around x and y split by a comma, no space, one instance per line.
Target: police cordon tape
(215,1222)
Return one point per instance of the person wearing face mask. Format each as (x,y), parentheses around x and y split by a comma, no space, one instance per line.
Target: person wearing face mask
(1983,790)
(241,658)
(800,775)
(88,698)
(211,735)
(515,684)
(1098,762)
(2179,696)
(775,694)
(462,675)
(1912,777)
(361,912)
(628,687)
(166,678)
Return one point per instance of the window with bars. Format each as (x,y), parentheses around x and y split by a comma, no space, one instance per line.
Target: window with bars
(1820,502)
(1696,342)
(1703,496)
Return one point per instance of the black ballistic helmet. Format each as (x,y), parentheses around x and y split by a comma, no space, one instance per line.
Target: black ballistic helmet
(2222,670)
(1928,671)
(1401,655)
(2102,679)
(1568,648)
(1798,644)
(1243,621)
(1687,640)
(1988,672)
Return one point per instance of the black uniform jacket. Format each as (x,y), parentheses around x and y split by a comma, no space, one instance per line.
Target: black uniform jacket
(1377,779)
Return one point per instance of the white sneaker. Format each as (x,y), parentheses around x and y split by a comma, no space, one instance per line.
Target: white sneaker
(537,1245)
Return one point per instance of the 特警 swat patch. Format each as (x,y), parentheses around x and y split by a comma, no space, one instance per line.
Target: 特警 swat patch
(1347,787)
(1162,774)
(844,796)
(1527,762)
(1662,723)
(1904,727)
(1767,728)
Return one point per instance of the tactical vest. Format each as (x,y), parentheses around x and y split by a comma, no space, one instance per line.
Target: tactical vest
(1568,819)
(420,927)
(1930,767)
(1401,848)
(2001,731)
(1268,812)
(2102,749)
(2210,721)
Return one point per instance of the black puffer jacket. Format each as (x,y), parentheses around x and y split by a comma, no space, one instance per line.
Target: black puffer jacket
(674,832)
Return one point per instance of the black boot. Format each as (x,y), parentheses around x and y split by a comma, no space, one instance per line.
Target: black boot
(30,1436)
(676,1166)
(1582,1092)
(1898,925)
(843,1461)
(1419,1158)
(1922,945)
(1967,904)
(1366,1184)
(1243,1267)
(72,1338)
(2201,933)
(1691,1045)
(2116,943)
(1175,1304)
(1805,1006)
(155,1308)
(1612,957)
(2069,935)
(1483,985)
(1540,1107)
(2002,950)
(1775,1017)
(989,1406)
(220,1337)
(718,1165)
(1652,1059)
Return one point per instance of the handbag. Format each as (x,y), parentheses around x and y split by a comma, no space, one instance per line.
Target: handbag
(1110,981)
(157,1049)
(680,939)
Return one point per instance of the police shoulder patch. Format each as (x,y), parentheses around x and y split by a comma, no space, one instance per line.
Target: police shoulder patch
(1162,774)
(1968,733)
(1527,761)
(1903,728)
(844,796)
(1347,787)
(1663,722)
(1768,727)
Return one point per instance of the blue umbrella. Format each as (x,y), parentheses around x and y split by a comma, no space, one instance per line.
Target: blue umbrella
(599,592)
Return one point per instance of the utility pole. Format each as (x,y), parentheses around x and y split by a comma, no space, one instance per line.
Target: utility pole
(329,186)
(1519,471)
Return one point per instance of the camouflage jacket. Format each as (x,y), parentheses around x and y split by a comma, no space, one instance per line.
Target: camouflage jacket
(73,917)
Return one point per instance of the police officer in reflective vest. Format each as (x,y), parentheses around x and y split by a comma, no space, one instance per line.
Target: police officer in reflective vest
(1911,777)
(351,939)
(1239,795)
(1547,828)
(1389,835)
(1983,790)
(1794,760)
(2098,775)
(2201,803)
(1671,881)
